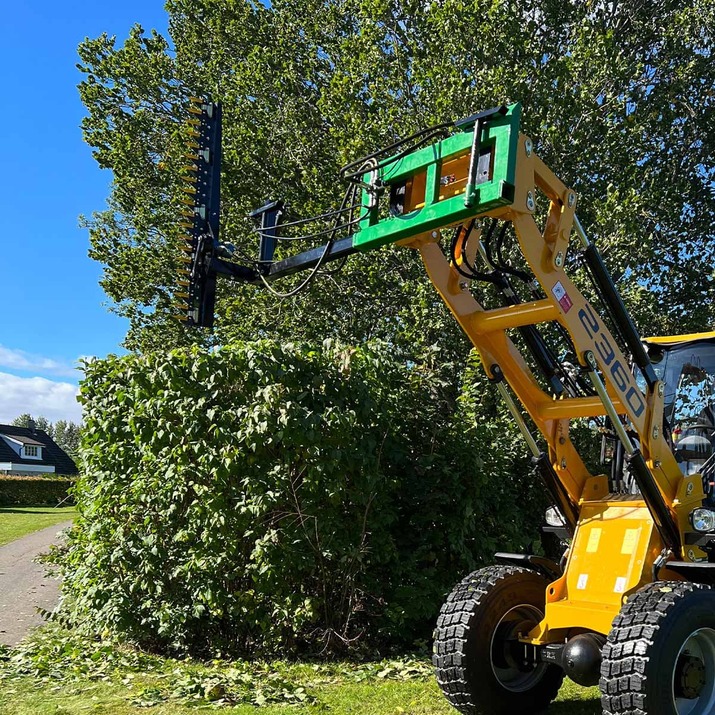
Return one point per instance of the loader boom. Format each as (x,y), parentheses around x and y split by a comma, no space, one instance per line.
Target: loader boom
(479,178)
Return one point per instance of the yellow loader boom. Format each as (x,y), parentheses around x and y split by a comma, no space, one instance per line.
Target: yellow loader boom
(630,603)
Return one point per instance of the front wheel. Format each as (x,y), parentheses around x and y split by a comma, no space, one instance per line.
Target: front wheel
(476,650)
(660,655)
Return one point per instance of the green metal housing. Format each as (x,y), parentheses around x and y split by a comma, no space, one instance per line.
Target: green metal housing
(430,165)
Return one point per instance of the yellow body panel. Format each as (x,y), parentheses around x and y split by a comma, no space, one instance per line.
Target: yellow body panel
(612,555)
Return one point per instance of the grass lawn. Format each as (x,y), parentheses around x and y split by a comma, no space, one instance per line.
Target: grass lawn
(17,521)
(58,672)
(31,697)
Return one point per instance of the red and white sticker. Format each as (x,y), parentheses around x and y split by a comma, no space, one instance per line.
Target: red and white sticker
(563,297)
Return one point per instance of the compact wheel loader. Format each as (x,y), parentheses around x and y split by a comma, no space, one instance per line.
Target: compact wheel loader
(629,605)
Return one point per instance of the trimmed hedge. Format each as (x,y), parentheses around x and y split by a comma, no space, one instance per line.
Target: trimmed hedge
(34,491)
(270,498)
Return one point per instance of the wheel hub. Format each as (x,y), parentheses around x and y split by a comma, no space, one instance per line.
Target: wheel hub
(513,671)
(507,651)
(694,674)
(690,676)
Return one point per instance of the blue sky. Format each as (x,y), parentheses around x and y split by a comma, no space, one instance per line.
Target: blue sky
(53,308)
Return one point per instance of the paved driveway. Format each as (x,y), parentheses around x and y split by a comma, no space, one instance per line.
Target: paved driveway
(24,586)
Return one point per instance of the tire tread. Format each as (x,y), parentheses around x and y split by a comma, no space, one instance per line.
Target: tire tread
(629,645)
(450,637)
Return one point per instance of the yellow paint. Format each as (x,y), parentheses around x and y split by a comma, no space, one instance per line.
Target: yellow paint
(593,539)
(621,563)
(676,339)
(630,541)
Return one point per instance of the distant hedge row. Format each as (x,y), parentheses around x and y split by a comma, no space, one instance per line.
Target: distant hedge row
(272,498)
(29,491)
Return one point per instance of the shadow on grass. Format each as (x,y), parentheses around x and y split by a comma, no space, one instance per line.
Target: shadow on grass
(35,510)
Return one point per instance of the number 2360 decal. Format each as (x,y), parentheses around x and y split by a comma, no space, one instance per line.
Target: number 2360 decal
(620,375)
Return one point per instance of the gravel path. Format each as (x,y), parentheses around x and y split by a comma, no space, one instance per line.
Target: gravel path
(24,585)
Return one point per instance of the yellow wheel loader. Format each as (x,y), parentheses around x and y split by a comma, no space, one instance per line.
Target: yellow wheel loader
(629,605)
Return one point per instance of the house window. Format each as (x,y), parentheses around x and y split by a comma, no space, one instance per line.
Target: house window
(32,451)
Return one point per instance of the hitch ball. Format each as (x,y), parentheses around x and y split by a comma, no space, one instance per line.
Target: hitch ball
(581,658)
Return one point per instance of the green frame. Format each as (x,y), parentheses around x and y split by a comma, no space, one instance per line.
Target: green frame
(501,133)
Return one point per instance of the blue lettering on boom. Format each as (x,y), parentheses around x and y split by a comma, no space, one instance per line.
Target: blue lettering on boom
(620,376)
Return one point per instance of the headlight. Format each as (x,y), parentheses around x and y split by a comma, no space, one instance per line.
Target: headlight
(702,519)
(554,518)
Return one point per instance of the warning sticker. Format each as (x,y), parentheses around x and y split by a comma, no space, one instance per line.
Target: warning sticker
(620,585)
(562,296)
(630,541)
(582,581)
(593,539)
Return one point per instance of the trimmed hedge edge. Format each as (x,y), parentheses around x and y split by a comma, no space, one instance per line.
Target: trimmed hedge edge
(35,491)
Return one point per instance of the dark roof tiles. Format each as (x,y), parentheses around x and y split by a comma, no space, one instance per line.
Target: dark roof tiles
(21,438)
(51,452)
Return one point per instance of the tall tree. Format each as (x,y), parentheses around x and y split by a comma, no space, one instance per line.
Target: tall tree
(22,420)
(617,96)
(41,423)
(67,436)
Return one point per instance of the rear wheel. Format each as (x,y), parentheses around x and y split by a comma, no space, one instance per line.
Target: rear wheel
(660,655)
(480,664)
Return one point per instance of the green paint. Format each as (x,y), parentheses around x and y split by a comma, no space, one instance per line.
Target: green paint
(501,134)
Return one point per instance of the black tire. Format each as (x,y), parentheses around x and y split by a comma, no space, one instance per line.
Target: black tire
(475,669)
(659,658)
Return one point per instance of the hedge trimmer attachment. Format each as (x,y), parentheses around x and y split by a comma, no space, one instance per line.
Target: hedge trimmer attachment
(201,245)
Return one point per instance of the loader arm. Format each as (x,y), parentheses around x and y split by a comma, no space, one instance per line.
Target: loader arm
(478,179)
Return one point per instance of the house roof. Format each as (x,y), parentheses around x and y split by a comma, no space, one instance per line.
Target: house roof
(23,439)
(51,452)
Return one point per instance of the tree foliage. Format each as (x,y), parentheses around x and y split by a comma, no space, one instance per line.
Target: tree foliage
(617,96)
(275,497)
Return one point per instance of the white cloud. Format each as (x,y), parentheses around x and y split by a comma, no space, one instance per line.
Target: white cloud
(38,396)
(20,360)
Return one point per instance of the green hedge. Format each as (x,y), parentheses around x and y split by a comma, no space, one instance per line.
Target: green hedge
(271,498)
(34,491)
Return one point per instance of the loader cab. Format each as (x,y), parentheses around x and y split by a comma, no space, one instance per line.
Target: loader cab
(686,364)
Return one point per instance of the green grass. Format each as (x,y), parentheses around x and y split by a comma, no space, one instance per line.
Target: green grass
(60,671)
(17,521)
(30,697)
